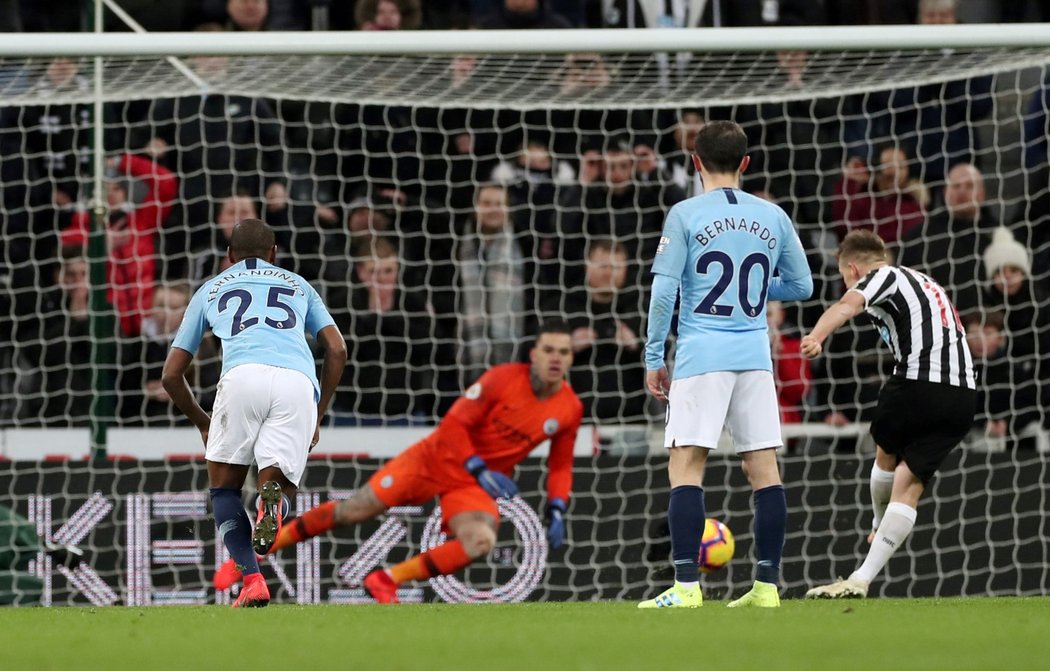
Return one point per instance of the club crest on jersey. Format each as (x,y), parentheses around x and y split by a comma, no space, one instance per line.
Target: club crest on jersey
(550,426)
(664,241)
(473,391)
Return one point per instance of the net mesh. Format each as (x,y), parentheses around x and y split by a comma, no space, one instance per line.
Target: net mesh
(443,206)
(528,81)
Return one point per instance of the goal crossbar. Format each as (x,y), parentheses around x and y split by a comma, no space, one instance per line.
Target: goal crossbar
(538,41)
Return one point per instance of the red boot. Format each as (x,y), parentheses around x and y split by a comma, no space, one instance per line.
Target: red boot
(381,587)
(254,594)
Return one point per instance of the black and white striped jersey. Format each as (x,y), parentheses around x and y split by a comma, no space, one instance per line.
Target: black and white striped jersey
(920,324)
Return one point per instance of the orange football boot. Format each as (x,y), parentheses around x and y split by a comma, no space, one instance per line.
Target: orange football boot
(381,587)
(254,594)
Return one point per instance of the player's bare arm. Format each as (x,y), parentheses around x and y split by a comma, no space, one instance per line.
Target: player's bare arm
(178,388)
(331,372)
(848,307)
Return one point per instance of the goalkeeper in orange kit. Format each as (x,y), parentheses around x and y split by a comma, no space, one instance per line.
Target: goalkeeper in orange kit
(466,462)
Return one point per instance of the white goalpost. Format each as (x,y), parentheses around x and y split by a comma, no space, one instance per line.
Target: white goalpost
(582,137)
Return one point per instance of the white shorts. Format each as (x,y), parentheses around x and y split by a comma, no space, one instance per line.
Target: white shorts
(744,402)
(263,414)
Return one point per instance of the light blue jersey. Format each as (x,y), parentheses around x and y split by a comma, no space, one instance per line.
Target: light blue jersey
(727,252)
(261,313)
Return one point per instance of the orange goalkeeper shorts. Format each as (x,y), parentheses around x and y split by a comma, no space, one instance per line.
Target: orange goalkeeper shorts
(419,474)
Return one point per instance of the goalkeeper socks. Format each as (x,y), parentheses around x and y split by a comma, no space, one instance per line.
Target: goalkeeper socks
(881,489)
(313,522)
(896,524)
(445,559)
(235,529)
(770,527)
(685,517)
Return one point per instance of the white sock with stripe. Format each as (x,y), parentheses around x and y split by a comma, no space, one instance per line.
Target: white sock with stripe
(896,524)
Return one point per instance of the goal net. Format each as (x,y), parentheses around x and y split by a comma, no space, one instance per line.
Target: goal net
(445,203)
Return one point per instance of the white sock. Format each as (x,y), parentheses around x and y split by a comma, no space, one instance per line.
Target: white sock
(689,585)
(896,524)
(881,489)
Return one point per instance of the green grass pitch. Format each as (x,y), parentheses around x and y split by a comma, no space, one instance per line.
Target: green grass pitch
(885,634)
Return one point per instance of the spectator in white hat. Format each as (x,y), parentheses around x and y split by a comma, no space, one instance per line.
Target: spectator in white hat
(1010,290)
(1007,264)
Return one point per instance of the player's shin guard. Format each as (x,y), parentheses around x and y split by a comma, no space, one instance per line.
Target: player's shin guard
(235,529)
(445,559)
(770,528)
(896,524)
(313,522)
(685,517)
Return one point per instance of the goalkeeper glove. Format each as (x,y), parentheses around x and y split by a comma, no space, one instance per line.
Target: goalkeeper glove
(556,523)
(494,483)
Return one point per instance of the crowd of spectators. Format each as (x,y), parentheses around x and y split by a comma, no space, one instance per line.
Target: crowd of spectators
(60,16)
(441,237)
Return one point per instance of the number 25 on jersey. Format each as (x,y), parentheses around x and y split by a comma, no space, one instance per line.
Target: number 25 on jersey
(243,299)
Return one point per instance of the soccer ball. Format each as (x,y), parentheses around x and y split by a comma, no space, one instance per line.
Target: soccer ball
(716,546)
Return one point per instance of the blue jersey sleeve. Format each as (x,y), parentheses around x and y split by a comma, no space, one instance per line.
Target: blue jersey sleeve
(673,250)
(317,315)
(795,281)
(194,324)
(661,310)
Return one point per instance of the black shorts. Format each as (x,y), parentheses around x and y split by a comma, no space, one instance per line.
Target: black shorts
(921,422)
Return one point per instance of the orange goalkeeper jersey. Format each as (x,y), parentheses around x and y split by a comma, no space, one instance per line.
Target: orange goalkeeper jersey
(500,419)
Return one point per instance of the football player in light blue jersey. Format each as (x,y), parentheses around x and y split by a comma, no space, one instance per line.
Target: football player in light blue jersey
(725,253)
(269,403)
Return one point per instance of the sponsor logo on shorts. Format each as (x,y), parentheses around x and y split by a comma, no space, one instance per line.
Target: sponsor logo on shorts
(386,481)
(550,426)
(474,391)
